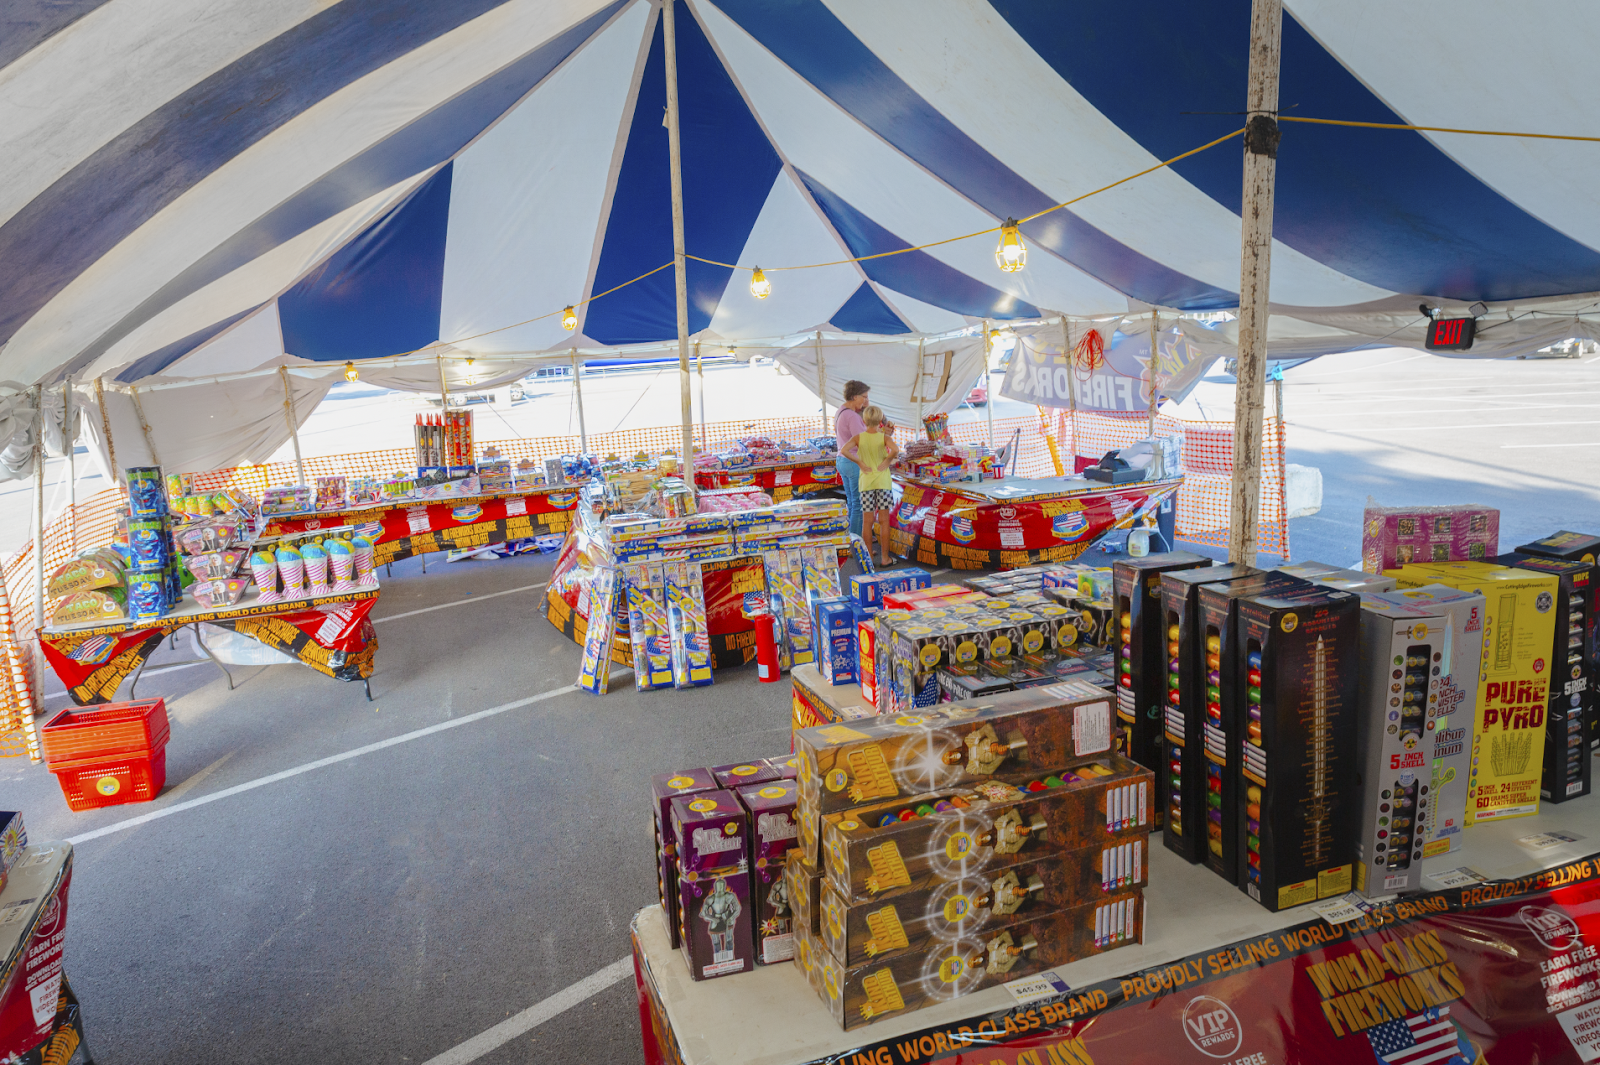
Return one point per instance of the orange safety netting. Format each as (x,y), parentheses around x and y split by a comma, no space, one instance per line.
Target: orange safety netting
(1046,446)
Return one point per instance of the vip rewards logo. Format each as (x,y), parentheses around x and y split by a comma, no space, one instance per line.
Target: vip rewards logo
(962,530)
(1555,929)
(1212,1027)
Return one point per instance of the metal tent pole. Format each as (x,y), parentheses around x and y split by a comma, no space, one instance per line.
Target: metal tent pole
(988,403)
(1155,391)
(822,383)
(69,441)
(38,530)
(700,371)
(1255,267)
(679,264)
(294,430)
(577,388)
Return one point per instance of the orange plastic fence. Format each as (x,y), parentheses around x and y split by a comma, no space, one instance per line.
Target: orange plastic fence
(1044,444)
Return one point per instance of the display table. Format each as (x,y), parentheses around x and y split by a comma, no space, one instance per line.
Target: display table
(414,527)
(815,701)
(1505,970)
(1015,521)
(781,482)
(39,1019)
(332,634)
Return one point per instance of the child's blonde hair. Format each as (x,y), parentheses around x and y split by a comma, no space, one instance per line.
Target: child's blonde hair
(872,417)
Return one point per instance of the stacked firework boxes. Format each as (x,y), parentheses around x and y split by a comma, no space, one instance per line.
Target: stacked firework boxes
(721,836)
(154,580)
(1579,547)
(946,851)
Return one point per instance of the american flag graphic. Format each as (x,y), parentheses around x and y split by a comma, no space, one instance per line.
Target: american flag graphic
(1426,1038)
(92,651)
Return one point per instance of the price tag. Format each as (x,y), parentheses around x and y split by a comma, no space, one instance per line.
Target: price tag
(417,520)
(1454,878)
(1091,729)
(1545,840)
(14,911)
(1342,909)
(1037,988)
(782,477)
(516,507)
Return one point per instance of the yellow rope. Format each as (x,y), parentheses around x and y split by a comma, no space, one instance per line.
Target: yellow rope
(1433,129)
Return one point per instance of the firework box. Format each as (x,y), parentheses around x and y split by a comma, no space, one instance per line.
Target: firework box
(1514,681)
(1398,536)
(786,592)
(1140,647)
(1449,739)
(959,682)
(859,932)
(648,629)
(711,831)
(743,774)
(1182,774)
(1343,580)
(715,922)
(594,672)
(1087,623)
(663,789)
(1222,727)
(13,839)
(930,595)
(787,766)
(686,617)
(867,659)
(772,835)
(1402,666)
(868,589)
(804,884)
(1578,547)
(1298,668)
(950,969)
(835,622)
(877,849)
(816,702)
(1567,765)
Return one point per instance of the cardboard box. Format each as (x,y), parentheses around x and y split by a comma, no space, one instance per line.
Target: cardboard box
(1579,547)
(836,640)
(1182,776)
(1449,741)
(743,774)
(686,614)
(13,840)
(804,883)
(1514,682)
(1140,649)
(1222,726)
(1299,669)
(868,589)
(1087,623)
(649,631)
(1342,580)
(1398,536)
(772,836)
(859,932)
(816,702)
(711,831)
(715,920)
(875,850)
(931,595)
(950,969)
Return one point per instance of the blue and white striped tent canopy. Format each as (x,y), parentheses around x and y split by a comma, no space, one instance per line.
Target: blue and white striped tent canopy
(200,189)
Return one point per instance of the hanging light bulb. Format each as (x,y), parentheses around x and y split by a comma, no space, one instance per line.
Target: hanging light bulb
(350,371)
(731,353)
(569,319)
(472,375)
(760,287)
(1010,254)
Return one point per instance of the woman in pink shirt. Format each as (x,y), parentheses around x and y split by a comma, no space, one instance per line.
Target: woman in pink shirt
(847,425)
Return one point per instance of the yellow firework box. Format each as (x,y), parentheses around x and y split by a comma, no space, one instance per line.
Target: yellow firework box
(1513,684)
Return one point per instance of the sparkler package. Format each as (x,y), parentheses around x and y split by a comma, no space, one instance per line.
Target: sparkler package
(1182,776)
(1140,648)
(1298,668)
(1013,738)
(686,619)
(648,629)
(1514,681)
(1567,765)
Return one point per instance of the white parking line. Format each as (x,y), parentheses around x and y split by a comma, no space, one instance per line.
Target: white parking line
(333,759)
(1569,443)
(458,602)
(535,1015)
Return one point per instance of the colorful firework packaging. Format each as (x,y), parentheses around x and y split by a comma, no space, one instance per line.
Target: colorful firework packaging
(772,835)
(649,631)
(663,789)
(1579,547)
(686,617)
(711,831)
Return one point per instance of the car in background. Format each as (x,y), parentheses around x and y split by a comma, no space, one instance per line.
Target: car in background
(978,397)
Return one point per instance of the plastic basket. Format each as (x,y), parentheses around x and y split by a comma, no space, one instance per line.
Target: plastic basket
(92,783)
(110,731)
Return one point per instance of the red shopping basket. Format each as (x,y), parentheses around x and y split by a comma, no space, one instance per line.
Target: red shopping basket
(90,783)
(110,730)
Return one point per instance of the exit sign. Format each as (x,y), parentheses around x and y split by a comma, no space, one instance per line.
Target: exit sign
(1451,334)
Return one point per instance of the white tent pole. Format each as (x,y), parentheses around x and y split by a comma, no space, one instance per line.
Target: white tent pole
(822,383)
(1155,392)
(38,530)
(294,430)
(700,370)
(144,426)
(988,405)
(680,275)
(444,388)
(922,369)
(105,425)
(577,388)
(1255,268)
(70,442)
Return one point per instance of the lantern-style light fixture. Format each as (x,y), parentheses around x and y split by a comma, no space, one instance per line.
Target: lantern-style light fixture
(1011,254)
(472,374)
(569,319)
(760,287)
(350,373)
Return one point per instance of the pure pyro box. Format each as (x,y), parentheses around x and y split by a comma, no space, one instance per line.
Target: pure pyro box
(1013,737)
(1449,738)
(1567,764)
(950,969)
(772,836)
(1514,682)
(875,850)
(858,932)
(1181,778)
(1299,671)
(1222,726)
(1140,647)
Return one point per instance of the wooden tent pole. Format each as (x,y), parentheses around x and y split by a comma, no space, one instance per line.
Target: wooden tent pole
(822,383)
(105,425)
(69,441)
(577,388)
(680,276)
(38,531)
(1255,267)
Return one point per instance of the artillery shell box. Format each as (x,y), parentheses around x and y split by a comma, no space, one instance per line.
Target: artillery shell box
(1181,776)
(874,850)
(949,969)
(1140,647)
(1011,737)
(803,882)
(1221,727)
(663,789)
(859,932)
(1299,669)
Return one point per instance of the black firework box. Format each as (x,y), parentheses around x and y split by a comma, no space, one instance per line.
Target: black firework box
(874,850)
(1578,547)
(1013,737)
(1087,622)
(1299,668)
(859,932)
(949,969)
(1182,774)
